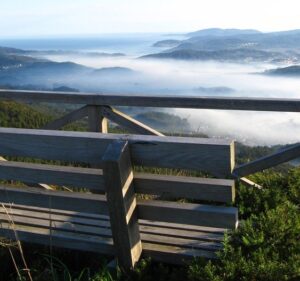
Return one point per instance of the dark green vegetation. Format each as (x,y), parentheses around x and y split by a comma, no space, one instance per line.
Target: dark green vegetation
(265,247)
(237,46)
(164,121)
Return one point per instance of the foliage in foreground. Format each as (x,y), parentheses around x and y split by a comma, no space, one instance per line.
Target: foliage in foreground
(267,244)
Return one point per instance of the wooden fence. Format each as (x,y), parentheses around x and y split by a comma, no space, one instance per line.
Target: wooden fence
(98,108)
(119,224)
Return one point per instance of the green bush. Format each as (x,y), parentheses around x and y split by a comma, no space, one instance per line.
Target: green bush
(266,246)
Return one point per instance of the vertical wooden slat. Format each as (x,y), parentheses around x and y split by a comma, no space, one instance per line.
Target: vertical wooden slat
(97,123)
(118,177)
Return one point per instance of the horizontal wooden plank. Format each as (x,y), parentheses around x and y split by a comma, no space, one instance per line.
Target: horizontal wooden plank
(174,255)
(194,188)
(211,155)
(72,201)
(154,237)
(40,217)
(60,239)
(163,253)
(187,213)
(177,230)
(216,190)
(144,100)
(272,160)
(52,174)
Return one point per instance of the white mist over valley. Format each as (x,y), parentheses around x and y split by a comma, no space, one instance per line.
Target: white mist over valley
(120,69)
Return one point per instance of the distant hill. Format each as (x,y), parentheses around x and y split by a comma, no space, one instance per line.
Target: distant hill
(164,122)
(222,32)
(64,89)
(73,53)
(214,90)
(241,55)
(12,51)
(279,47)
(293,70)
(167,43)
(18,70)
(113,70)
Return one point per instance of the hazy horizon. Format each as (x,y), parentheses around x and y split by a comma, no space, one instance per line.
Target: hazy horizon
(32,18)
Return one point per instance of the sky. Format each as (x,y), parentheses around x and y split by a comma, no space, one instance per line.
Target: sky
(35,18)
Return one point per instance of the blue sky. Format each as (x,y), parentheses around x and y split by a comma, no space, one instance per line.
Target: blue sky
(30,18)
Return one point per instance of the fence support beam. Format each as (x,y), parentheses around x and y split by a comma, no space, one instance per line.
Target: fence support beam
(69,118)
(269,161)
(128,122)
(118,177)
(97,122)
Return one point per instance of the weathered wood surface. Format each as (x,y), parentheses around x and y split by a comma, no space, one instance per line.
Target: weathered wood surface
(127,122)
(274,159)
(11,176)
(52,174)
(122,204)
(97,122)
(250,183)
(159,242)
(66,119)
(103,245)
(187,213)
(90,224)
(72,201)
(211,155)
(216,190)
(191,214)
(226,103)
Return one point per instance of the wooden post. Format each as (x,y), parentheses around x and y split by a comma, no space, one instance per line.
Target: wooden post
(97,123)
(118,177)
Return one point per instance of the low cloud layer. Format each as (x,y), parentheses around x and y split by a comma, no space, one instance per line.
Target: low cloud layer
(181,78)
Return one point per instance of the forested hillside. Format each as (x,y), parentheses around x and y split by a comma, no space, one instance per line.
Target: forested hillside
(18,115)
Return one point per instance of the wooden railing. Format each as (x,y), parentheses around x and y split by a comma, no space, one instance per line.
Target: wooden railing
(119,223)
(98,108)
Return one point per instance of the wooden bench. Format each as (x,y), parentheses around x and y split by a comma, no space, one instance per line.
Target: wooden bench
(118,222)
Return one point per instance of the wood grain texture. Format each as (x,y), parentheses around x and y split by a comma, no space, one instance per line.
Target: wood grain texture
(61,239)
(71,201)
(73,221)
(97,122)
(274,159)
(128,122)
(156,240)
(67,119)
(188,213)
(118,177)
(156,251)
(52,174)
(226,103)
(209,155)
(216,190)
